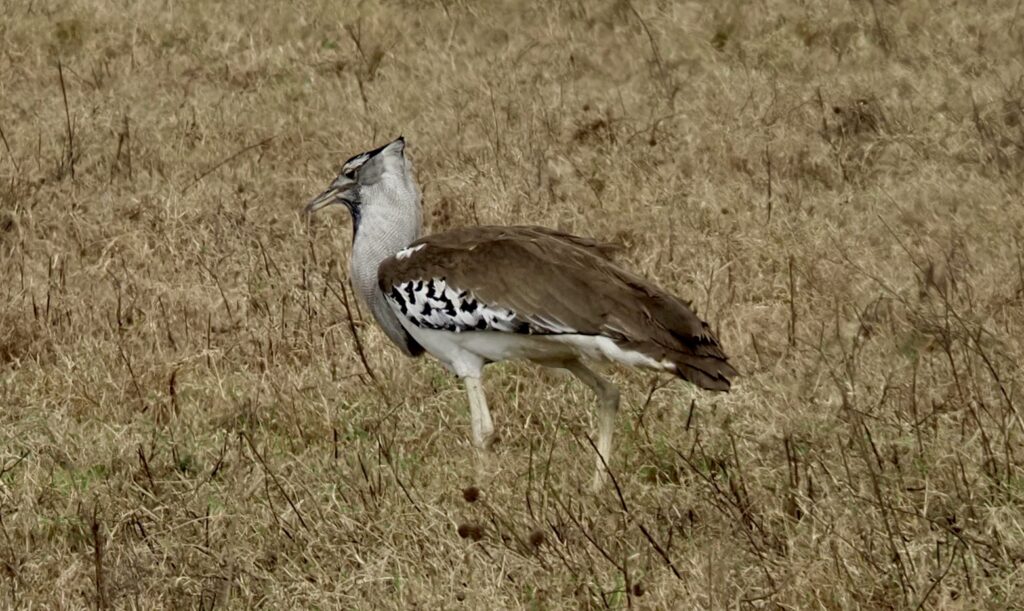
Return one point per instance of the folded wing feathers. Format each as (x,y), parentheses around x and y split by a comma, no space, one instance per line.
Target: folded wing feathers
(559,283)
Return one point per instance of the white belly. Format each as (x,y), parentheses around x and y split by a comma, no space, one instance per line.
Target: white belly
(466,353)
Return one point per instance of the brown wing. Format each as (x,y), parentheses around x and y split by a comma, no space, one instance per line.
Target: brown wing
(605,250)
(559,283)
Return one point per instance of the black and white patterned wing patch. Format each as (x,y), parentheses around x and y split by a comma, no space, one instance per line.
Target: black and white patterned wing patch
(433,304)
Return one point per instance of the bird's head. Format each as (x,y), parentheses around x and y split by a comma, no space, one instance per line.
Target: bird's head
(379,178)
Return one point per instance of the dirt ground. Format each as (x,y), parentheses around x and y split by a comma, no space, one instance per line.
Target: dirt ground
(196,413)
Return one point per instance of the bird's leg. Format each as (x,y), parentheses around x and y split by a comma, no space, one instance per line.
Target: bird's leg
(483,428)
(607,406)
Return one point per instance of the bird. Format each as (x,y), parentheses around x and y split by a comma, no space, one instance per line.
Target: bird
(483,294)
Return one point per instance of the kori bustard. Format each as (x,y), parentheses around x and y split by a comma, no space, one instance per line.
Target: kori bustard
(480,295)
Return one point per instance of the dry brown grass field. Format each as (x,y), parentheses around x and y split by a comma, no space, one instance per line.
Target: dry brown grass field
(185,418)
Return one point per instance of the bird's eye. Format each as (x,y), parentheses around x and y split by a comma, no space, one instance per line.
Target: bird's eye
(351,174)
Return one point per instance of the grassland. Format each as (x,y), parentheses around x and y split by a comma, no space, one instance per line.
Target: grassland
(185,419)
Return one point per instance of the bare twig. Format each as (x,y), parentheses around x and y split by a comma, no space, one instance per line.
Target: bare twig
(669,90)
(768,171)
(615,481)
(883,36)
(135,380)
(277,484)
(123,155)
(660,550)
(220,288)
(892,535)
(70,158)
(10,153)
(350,319)
(144,463)
(792,304)
(398,480)
(938,580)
(17,461)
(586,533)
(99,575)
(225,161)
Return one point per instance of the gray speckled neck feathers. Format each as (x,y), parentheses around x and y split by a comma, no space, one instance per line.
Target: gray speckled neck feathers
(388,217)
(383,231)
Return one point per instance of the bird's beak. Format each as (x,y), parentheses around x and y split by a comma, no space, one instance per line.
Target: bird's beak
(328,197)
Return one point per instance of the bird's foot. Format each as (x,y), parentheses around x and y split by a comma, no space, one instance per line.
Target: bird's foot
(485,458)
(488,441)
(484,464)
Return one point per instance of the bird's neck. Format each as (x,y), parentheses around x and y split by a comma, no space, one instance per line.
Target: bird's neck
(383,229)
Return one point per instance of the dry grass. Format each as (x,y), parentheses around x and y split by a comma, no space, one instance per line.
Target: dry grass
(185,420)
